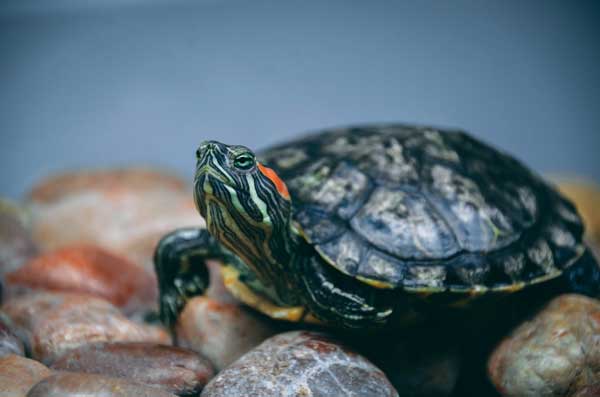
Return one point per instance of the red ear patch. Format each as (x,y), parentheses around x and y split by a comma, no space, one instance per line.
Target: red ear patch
(269,173)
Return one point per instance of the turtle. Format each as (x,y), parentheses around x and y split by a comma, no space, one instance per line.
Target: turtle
(353,226)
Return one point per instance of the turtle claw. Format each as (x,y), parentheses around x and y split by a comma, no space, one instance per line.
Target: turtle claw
(174,299)
(170,307)
(180,265)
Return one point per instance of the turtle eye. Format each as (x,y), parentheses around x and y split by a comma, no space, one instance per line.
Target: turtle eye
(244,162)
(198,153)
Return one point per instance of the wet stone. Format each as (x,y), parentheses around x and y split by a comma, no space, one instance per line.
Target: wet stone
(555,354)
(72,384)
(18,374)
(220,331)
(9,343)
(53,323)
(88,269)
(16,244)
(300,363)
(124,210)
(179,371)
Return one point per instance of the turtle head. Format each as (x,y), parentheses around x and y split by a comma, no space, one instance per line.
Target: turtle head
(246,206)
(229,177)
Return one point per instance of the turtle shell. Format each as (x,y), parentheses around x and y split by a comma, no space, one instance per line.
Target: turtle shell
(422,209)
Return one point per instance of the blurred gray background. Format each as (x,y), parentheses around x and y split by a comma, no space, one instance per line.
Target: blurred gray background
(101,83)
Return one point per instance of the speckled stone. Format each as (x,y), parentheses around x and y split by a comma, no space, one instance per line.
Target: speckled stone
(53,323)
(18,374)
(9,343)
(300,363)
(221,331)
(16,244)
(179,371)
(555,354)
(73,384)
(124,210)
(92,270)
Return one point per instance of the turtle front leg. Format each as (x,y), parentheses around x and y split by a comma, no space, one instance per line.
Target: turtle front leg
(180,266)
(339,299)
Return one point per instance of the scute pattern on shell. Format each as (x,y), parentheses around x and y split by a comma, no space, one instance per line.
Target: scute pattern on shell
(423,208)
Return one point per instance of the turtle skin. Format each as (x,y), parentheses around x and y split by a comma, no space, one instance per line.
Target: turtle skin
(426,210)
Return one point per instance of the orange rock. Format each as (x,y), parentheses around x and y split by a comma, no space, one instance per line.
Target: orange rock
(74,384)
(221,331)
(88,269)
(124,210)
(177,370)
(18,374)
(111,181)
(53,323)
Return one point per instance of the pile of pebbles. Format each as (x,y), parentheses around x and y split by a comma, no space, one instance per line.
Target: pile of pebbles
(79,302)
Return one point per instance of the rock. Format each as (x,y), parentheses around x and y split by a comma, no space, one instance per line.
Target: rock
(72,384)
(53,323)
(178,371)
(300,363)
(92,270)
(18,374)
(16,244)
(9,343)
(557,353)
(216,288)
(124,210)
(220,331)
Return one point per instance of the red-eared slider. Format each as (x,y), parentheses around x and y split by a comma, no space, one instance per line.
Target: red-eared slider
(342,225)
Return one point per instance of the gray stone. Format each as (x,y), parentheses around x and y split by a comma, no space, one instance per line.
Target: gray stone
(555,354)
(300,363)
